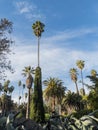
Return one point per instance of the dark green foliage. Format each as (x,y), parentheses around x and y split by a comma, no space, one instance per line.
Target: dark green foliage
(73,100)
(86,122)
(37,109)
(93,100)
(93,94)
(81,113)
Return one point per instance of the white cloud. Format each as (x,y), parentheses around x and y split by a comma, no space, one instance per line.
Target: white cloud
(29,10)
(24,7)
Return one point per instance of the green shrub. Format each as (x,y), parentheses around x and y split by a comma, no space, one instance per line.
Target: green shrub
(81,113)
(47,116)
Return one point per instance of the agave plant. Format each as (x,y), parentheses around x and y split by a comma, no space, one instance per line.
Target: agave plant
(87,122)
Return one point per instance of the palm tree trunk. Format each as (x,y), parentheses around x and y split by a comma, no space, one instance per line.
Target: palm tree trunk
(28,105)
(82,79)
(82,83)
(77,88)
(38,50)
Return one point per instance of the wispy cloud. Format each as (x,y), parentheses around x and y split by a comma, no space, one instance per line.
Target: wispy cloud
(29,10)
(70,34)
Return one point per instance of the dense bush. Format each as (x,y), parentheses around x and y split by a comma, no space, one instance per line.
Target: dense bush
(81,113)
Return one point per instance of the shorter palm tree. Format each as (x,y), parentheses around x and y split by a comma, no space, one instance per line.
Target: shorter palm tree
(73,74)
(72,101)
(54,90)
(27,72)
(80,64)
(6,86)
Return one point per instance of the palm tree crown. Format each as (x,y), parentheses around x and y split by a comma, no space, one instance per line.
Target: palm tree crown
(38,28)
(93,73)
(80,64)
(27,72)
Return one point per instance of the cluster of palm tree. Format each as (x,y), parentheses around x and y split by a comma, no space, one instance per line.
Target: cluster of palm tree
(74,75)
(21,94)
(55,93)
(6,96)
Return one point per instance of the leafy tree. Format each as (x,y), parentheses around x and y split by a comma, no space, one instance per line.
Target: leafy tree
(28,71)
(5,44)
(94,79)
(80,64)
(93,94)
(93,100)
(73,74)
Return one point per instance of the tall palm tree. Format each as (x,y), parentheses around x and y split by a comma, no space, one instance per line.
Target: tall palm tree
(38,28)
(27,72)
(73,74)
(80,64)
(54,90)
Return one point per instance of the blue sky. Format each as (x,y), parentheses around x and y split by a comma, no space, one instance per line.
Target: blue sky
(71,33)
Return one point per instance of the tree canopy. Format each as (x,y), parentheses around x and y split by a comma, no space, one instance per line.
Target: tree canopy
(5,46)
